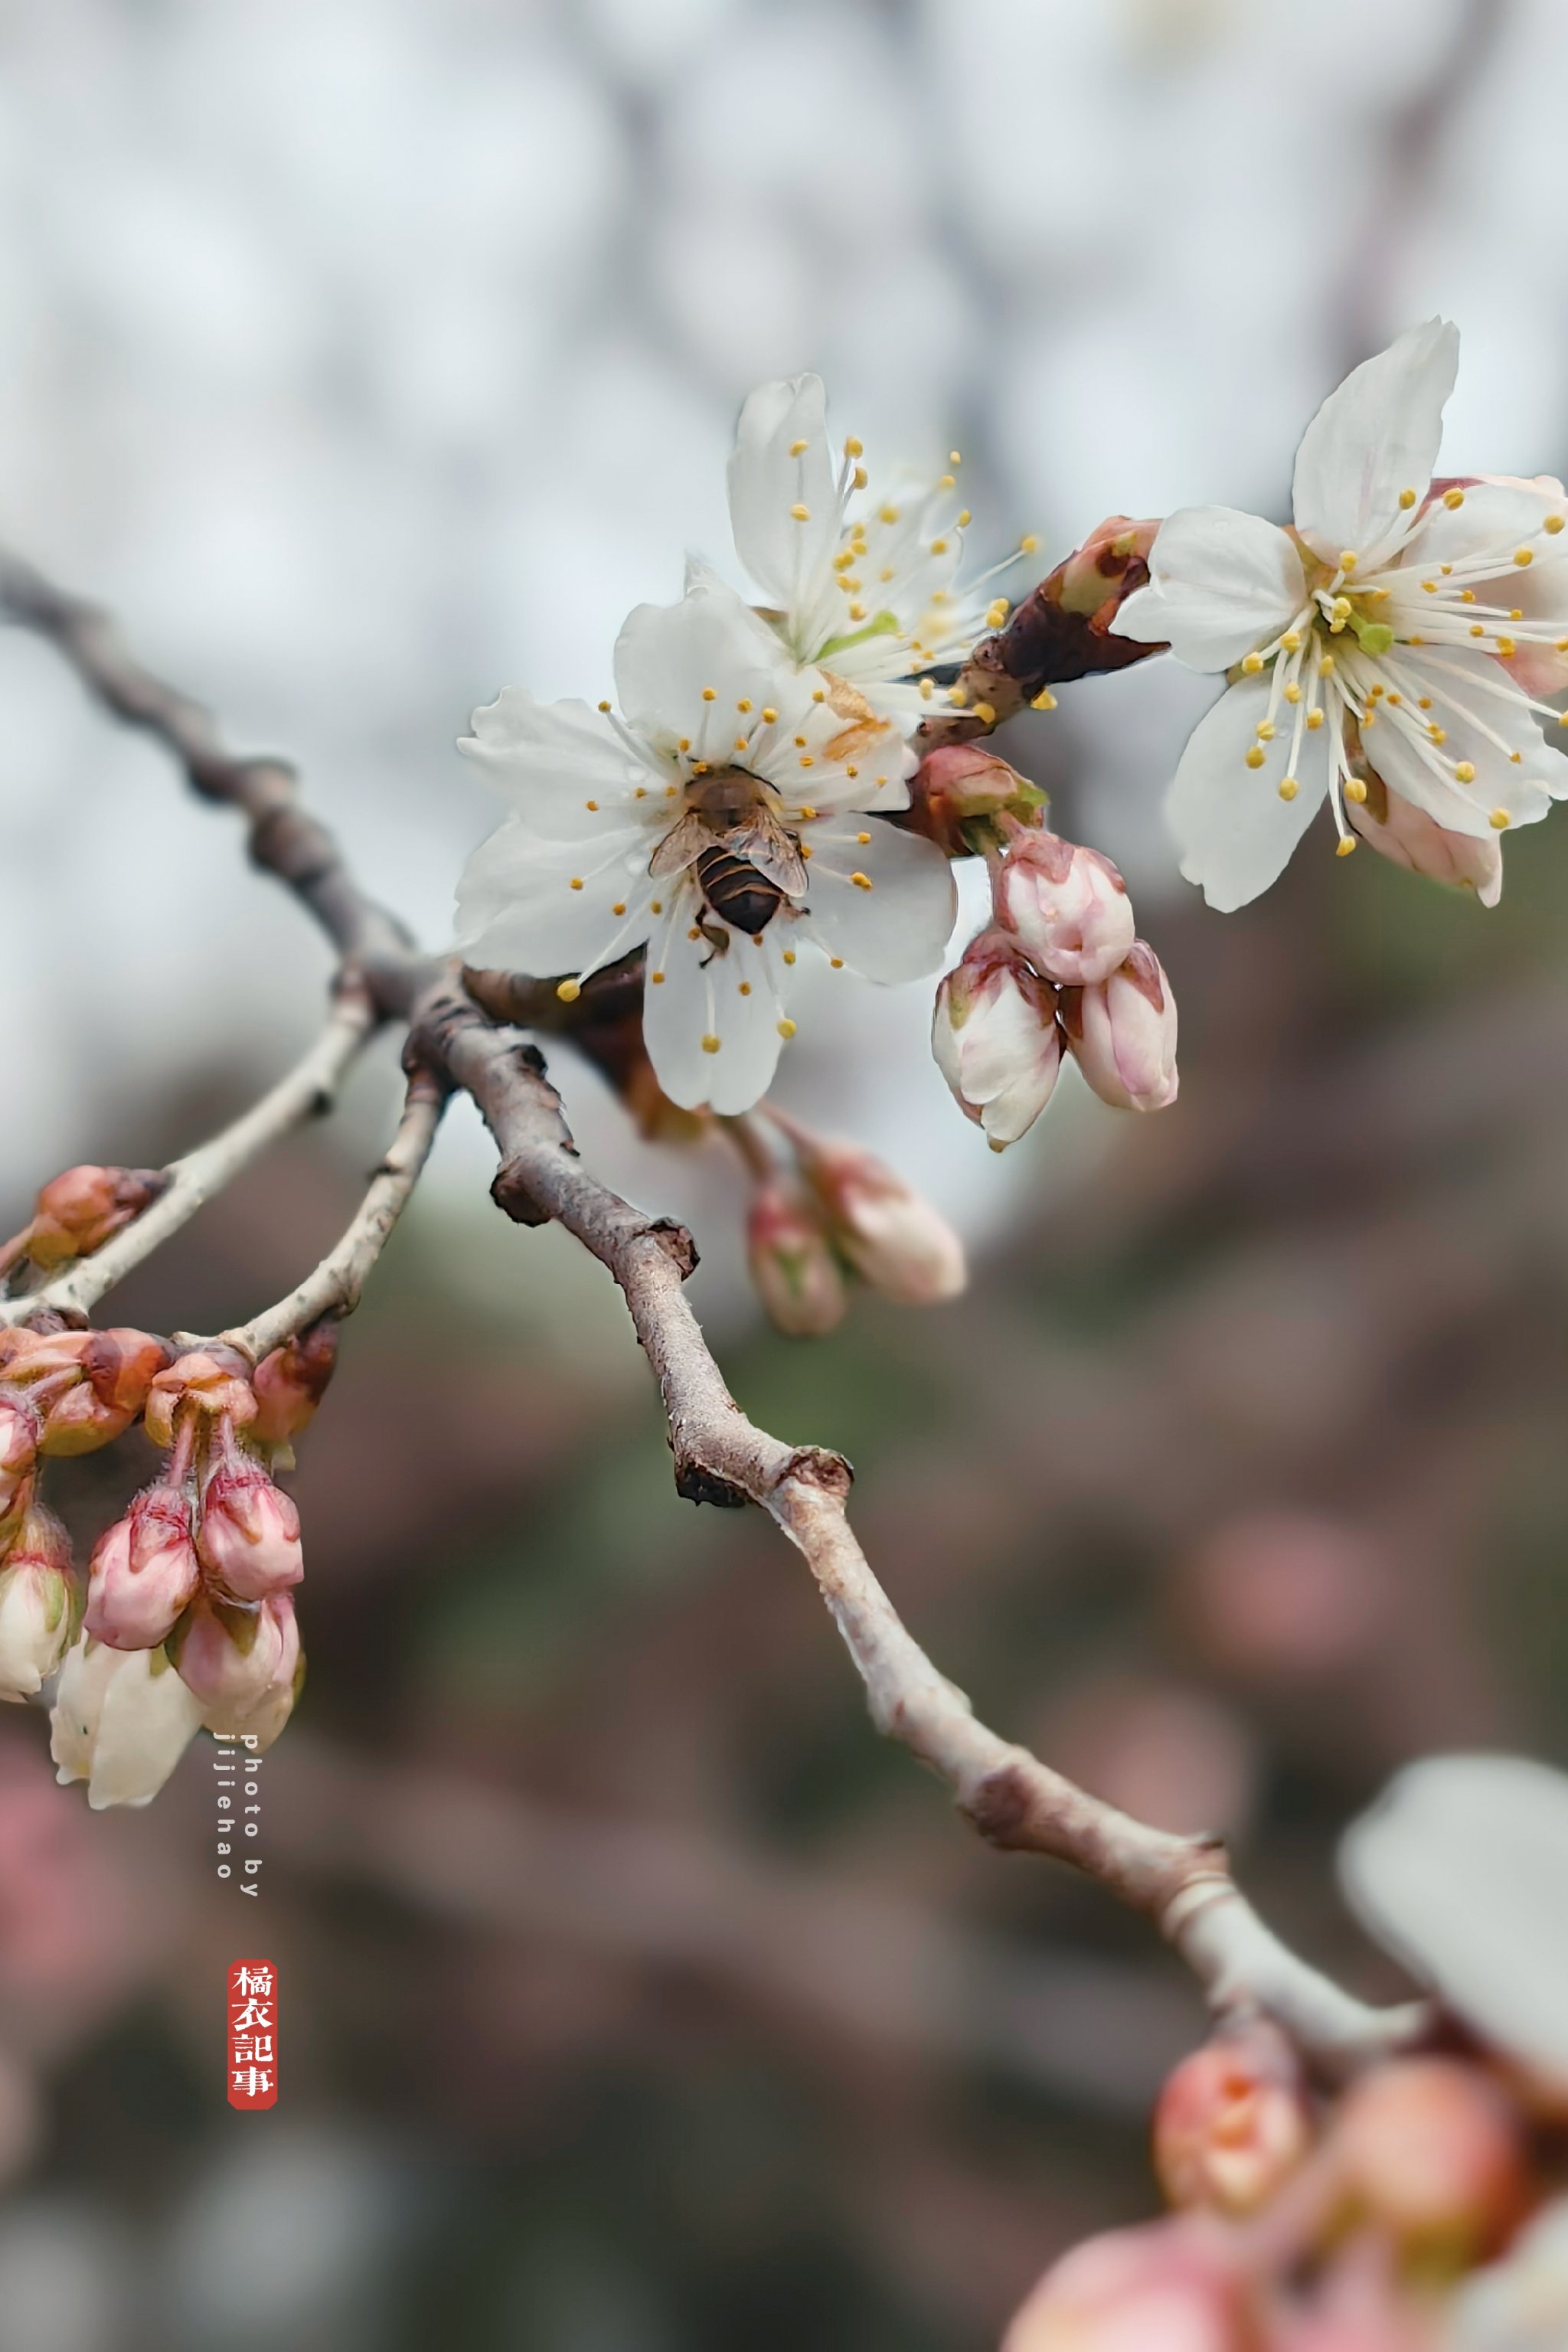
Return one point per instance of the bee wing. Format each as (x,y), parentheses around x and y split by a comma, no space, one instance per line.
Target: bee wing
(765,844)
(682,843)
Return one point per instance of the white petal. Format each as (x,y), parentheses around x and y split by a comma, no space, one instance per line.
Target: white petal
(1461,1870)
(733,997)
(1220,582)
(1234,833)
(768,480)
(148,1720)
(667,654)
(517,910)
(1523,788)
(1491,516)
(899,928)
(550,758)
(1376,435)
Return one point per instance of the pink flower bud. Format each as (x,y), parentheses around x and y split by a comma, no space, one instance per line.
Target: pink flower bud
(1067,907)
(249,1536)
(1122,1031)
(19,1435)
(1097,577)
(1430,2150)
(121,1720)
(143,1571)
(1170,2286)
(893,1239)
(798,1277)
(289,1382)
(1232,2123)
(239,1660)
(78,1211)
(211,1381)
(1400,830)
(38,1604)
(995,1039)
(963,783)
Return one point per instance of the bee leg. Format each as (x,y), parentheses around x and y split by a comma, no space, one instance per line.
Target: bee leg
(717,939)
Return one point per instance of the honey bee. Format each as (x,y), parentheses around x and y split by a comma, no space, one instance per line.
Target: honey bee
(746,864)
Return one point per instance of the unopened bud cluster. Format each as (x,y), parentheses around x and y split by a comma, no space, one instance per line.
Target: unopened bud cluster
(1416,2213)
(1059,969)
(189,1618)
(832,1215)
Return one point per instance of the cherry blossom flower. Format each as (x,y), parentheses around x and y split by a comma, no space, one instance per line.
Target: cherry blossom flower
(729,817)
(1393,638)
(859,582)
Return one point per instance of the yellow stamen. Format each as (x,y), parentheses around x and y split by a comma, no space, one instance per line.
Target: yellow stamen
(1346,845)
(801,514)
(568,991)
(786,1029)
(1354,789)
(861,881)
(1500,820)
(1252,664)
(1288,788)
(1256,757)
(711,1045)
(1465,771)
(1452,499)
(1407,500)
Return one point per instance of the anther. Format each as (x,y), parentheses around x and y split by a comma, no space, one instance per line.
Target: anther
(603,706)
(798,448)
(1346,845)
(1314,720)
(746,985)
(657,978)
(1292,692)
(709,695)
(619,907)
(786,1029)
(1044,700)
(862,478)
(1452,499)
(1354,789)
(1291,641)
(1347,559)
(744,703)
(801,514)
(1464,772)
(1289,788)
(946,482)
(1266,731)
(568,991)
(1500,820)
(1326,666)
(711,1045)
(1028,543)
(862,838)
(592,804)
(576,881)
(837,962)
(655,907)
(1252,664)
(1407,500)
(789,955)
(853,448)
(861,881)
(986,714)
(769,714)
(965,518)
(1522,555)
(939,547)
(1256,756)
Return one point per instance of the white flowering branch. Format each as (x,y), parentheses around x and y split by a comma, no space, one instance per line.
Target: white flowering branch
(1181,1884)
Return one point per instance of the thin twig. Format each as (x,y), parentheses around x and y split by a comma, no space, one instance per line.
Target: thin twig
(1181,1884)
(334,1285)
(309,1087)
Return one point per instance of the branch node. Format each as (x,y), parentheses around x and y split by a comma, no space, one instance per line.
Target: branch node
(677,1244)
(816,1465)
(693,1483)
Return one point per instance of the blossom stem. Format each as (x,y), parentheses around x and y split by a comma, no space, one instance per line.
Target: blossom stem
(335,1284)
(309,1087)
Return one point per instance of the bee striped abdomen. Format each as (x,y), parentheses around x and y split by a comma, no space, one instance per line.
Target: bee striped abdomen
(735,889)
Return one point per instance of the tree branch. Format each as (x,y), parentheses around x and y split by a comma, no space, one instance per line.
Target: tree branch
(334,1285)
(1181,1884)
(309,1087)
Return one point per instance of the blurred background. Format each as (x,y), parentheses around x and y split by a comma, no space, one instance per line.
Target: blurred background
(367,355)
